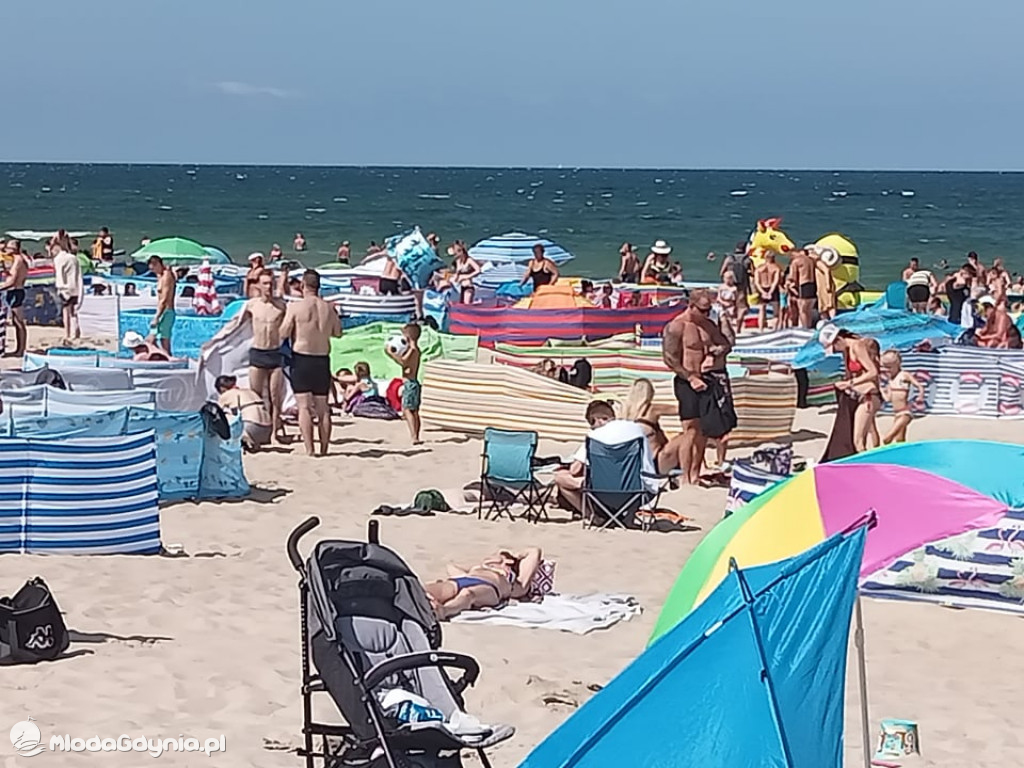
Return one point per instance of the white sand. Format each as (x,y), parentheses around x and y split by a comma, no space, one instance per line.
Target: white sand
(209,644)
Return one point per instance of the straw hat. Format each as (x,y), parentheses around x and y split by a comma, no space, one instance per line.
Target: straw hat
(661,248)
(132,339)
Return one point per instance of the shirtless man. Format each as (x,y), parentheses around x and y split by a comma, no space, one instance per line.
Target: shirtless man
(252,277)
(311,323)
(801,271)
(14,286)
(996,333)
(344,253)
(163,320)
(266,372)
(390,277)
(685,346)
(767,279)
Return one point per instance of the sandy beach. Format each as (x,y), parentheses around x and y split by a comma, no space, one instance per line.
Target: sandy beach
(207,643)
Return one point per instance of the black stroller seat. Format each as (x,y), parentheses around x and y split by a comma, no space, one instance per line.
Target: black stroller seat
(374,639)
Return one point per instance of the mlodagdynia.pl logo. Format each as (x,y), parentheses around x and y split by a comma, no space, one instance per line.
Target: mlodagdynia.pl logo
(25,738)
(28,742)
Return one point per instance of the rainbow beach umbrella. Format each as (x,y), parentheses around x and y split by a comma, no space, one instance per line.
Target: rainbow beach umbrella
(945,510)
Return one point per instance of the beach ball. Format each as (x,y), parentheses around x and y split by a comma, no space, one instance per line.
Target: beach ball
(397,345)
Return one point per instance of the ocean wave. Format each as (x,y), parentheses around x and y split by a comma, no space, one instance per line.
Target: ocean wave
(907,192)
(165,207)
(316,210)
(340,200)
(439,196)
(739,193)
(38,235)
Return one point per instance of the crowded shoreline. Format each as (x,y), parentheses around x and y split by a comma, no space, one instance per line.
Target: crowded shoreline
(223,561)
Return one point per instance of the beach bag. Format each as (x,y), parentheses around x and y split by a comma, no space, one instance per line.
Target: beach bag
(717,414)
(578,376)
(374,408)
(31,627)
(775,459)
(215,421)
(542,583)
(431,500)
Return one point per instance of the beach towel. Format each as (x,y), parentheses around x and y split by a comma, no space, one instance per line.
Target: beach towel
(579,614)
(840,442)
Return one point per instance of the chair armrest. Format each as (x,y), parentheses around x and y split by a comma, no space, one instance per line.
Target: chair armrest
(440,659)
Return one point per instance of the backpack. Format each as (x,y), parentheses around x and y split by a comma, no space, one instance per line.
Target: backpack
(432,501)
(31,626)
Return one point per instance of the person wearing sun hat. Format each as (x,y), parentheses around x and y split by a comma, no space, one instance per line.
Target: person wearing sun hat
(996,333)
(656,265)
(252,277)
(141,349)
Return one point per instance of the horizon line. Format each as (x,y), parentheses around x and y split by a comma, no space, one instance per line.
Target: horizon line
(541,167)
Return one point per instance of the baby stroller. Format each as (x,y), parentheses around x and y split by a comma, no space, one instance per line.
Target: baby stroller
(369,630)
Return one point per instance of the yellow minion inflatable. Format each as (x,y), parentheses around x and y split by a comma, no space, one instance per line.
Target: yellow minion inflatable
(839,254)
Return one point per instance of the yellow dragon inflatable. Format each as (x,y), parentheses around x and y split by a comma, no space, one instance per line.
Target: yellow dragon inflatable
(836,252)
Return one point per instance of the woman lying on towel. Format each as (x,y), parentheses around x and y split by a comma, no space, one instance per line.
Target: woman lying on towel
(499,578)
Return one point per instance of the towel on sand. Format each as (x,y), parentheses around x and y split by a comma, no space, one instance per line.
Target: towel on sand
(578,614)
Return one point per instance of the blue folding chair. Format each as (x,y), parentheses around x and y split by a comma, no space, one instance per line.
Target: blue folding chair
(506,476)
(615,487)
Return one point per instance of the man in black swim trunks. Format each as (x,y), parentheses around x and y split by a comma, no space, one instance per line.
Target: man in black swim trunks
(266,374)
(685,346)
(801,272)
(14,288)
(311,323)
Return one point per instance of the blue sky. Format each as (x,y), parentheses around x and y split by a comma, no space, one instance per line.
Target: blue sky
(905,84)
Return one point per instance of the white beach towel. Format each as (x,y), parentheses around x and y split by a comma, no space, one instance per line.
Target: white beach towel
(578,614)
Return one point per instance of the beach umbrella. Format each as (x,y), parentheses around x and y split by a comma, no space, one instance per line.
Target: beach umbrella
(753,677)
(948,525)
(205,301)
(891,328)
(175,251)
(517,247)
(216,255)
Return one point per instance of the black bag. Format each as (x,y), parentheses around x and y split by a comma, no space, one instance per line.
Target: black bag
(31,626)
(717,413)
(215,421)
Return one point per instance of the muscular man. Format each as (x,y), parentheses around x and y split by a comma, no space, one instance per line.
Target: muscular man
(685,346)
(14,286)
(767,279)
(801,270)
(311,323)
(266,374)
(163,321)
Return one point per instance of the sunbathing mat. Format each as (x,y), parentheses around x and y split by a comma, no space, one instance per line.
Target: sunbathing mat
(579,614)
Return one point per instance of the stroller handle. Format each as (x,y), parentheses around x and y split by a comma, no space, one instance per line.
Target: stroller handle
(301,530)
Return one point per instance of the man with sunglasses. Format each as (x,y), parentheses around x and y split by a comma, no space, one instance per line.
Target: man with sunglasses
(690,340)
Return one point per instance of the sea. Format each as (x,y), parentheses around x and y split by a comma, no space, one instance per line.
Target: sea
(890,216)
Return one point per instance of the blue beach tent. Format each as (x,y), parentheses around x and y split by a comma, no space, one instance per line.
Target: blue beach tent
(753,676)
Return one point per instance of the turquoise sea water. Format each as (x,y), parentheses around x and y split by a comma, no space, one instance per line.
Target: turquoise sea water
(889,215)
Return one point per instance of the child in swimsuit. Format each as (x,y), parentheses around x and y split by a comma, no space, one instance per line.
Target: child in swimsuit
(898,393)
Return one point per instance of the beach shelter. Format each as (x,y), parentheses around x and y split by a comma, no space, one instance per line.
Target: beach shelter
(753,677)
(561,295)
(517,247)
(175,251)
(414,256)
(949,518)
(891,328)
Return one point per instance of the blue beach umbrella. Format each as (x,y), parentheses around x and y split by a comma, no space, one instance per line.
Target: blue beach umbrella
(518,248)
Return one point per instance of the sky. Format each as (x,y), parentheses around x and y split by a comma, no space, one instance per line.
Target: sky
(866,84)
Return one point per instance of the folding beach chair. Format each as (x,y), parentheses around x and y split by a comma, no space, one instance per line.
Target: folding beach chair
(506,476)
(614,487)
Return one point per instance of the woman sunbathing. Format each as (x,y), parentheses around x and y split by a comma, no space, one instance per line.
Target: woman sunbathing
(500,577)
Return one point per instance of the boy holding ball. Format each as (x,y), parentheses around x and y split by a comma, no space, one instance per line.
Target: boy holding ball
(409,360)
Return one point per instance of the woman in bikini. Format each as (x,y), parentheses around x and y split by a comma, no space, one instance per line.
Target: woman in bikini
(862,364)
(898,393)
(500,577)
(465,268)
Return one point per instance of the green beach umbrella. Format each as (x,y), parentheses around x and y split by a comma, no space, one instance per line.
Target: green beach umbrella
(175,251)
